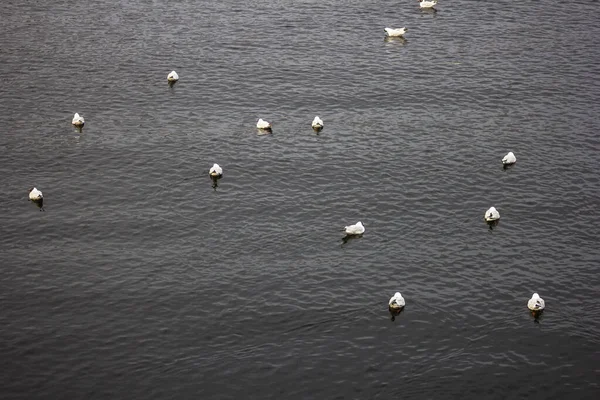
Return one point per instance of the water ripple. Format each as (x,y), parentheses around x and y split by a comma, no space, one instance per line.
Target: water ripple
(139,270)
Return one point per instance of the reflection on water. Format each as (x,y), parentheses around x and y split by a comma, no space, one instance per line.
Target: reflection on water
(215,181)
(349,238)
(395,39)
(262,132)
(429,11)
(492,224)
(39,204)
(537,315)
(395,312)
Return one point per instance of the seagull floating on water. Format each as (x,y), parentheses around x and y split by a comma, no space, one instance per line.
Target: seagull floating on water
(78,120)
(492,215)
(427,3)
(317,123)
(391,32)
(397,302)
(536,303)
(356,229)
(35,195)
(172,77)
(216,171)
(509,159)
(262,124)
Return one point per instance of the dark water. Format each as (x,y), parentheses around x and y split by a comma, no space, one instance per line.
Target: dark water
(140,281)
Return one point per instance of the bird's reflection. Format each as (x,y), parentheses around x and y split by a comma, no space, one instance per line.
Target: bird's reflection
(492,224)
(264,131)
(215,181)
(507,166)
(429,11)
(395,39)
(348,238)
(39,203)
(394,312)
(78,128)
(537,315)
(172,83)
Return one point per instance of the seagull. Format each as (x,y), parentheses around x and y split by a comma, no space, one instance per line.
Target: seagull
(78,120)
(262,124)
(536,303)
(356,229)
(492,214)
(35,195)
(427,4)
(391,32)
(173,77)
(317,124)
(397,302)
(216,171)
(509,159)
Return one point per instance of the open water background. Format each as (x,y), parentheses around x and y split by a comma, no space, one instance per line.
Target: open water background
(140,281)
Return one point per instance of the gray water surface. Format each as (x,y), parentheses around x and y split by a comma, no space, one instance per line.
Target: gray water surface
(141,281)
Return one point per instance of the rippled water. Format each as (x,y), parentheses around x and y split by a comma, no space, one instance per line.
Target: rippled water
(142,281)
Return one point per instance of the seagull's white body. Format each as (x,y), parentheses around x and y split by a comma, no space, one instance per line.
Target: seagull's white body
(216,171)
(492,214)
(356,229)
(427,4)
(536,303)
(78,120)
(391,32)
(35,195)
(317,123)
(397,301)
(172,77)
(262,124)
(509,159)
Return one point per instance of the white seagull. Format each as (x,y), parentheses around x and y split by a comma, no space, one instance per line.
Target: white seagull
(216,171)
(391,32)
(536,303)
(509,159)
(427,4)
(397,301)
(356,229)
(78,120)
(35,195)
(317,123)
(262,124)
(172,77)
(492,214)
